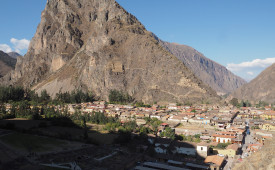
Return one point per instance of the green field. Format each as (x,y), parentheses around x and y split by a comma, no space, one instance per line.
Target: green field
(33,143)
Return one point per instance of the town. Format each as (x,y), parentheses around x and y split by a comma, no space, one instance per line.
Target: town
(172,136)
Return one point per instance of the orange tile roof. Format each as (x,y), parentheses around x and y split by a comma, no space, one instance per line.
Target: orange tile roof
(233,147)
(218,160)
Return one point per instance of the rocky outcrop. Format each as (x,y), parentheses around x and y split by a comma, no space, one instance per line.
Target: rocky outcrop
(211,73)
(259,89)
(96,45)
(7,63)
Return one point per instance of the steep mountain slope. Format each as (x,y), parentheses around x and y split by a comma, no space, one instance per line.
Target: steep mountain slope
(261,88)
(7,63)
(215,75)
(14,54)
(96,45)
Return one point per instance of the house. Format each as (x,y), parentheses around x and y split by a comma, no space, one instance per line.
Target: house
(125,116)
(203,149)
(238,140)
(254,147)
(215,162)
(155,116)
(223,138)
(230,151)
(268,115)
(238,131)
(175,119)
(140,122)
(221,124)
(268,126)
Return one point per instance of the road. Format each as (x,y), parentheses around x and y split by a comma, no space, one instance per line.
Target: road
(249,139)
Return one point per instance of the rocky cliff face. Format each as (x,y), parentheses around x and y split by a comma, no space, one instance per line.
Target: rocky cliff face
(7,63)
(96,45)
(211,73)
(261,88)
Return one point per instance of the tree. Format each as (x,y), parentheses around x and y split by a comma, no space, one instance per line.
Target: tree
(45,97)
(3,109)
(169,133)
(130,126)
(116,96)
(144,130)
(222,145)
(155,124)
(234,101)
(13,110)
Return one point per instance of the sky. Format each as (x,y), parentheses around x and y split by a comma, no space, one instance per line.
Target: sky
(237,34)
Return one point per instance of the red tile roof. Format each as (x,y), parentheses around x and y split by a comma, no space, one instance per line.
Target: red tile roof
(218,160)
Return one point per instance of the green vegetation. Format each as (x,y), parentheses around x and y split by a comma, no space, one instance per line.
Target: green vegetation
(236,103)
(169,133)
(77,96)
(141,104)
(222,145)
(255,127)
(261,104)
(153,123)
(143,130)
(18,94)
(119,97)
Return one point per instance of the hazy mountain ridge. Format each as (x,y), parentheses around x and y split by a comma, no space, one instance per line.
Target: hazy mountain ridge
(14,54)
(259,89)
(96,45)
(211,73)
(7,63)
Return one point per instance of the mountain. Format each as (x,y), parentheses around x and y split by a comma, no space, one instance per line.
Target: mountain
(96,45)
(14,54)
(7,63)
(261,88)
(211,73)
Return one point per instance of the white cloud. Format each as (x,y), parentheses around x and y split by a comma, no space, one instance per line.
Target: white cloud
(5,48)
(257,63)
(250,69)
(250,73)
(19,45)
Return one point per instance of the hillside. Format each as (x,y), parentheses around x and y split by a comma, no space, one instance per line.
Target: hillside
(7,63)
(211,73)
(261,88)
(264,159)
(98,46)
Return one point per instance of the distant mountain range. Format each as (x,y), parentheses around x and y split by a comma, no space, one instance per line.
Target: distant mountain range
(14,54)
(213,74)
(262,88)
(7,63)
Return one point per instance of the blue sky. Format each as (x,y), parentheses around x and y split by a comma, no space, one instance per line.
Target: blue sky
(237,34)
